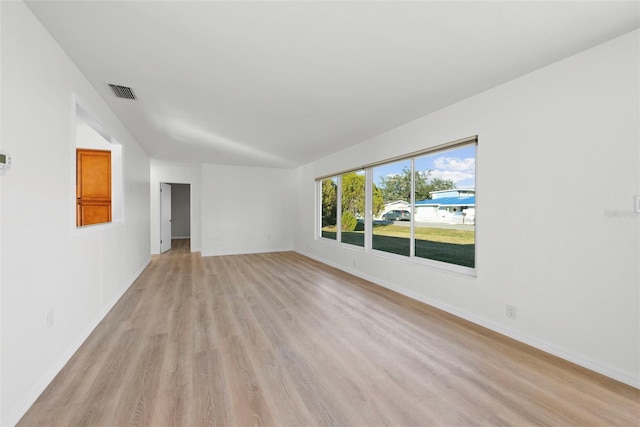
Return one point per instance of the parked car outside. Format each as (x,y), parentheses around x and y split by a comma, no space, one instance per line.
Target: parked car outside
(397,215)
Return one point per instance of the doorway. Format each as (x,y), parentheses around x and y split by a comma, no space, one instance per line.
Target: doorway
(175,213)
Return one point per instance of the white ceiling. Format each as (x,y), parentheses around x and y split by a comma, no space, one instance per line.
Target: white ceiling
(279,84)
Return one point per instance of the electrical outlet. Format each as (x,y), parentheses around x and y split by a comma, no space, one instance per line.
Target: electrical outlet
(512,311)
(354,262)
(50,318)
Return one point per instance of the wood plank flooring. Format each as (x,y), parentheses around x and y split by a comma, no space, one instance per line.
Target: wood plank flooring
(281,340)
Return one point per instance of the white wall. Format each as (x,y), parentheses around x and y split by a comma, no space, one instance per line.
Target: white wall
(87,137)
(1,274)
(558,164)
(180,211)
(180,174)
(234,209)
(246,210)
(46,264)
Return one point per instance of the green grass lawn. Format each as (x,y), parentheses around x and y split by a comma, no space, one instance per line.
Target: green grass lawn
(440,244)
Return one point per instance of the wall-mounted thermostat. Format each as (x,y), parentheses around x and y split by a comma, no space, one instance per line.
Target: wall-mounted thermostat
(5,160)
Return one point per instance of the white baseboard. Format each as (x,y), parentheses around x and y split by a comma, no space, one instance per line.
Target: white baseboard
(245,252)
(180,237)
(19,411)
(608,371)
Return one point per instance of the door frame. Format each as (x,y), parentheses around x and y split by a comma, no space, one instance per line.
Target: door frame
(159,213)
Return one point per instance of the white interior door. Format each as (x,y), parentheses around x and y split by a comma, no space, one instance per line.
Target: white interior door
(165,217)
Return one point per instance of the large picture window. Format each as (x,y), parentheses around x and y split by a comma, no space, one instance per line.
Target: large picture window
(421,206)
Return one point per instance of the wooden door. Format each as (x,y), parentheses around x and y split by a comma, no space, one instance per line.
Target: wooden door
(93,187)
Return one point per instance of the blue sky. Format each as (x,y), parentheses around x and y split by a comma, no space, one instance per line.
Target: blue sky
(457,165)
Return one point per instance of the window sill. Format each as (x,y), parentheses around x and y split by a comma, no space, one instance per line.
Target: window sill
(96,228)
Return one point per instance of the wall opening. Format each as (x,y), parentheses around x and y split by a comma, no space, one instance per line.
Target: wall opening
(175,213)
(91,137)
(180,211)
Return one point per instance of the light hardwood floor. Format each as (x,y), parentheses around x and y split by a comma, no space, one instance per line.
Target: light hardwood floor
(279,339)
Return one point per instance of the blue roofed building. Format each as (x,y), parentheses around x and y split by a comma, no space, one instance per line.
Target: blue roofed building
(449,206)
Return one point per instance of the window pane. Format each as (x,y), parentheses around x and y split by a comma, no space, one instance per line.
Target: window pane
(445,206)
(392,207)
(329,207)
(352,221)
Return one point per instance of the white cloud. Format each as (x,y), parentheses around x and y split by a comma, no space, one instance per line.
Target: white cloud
(460,171)
(455,164)
(455,176)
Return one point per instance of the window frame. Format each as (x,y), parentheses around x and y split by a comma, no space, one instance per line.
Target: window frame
(368,220)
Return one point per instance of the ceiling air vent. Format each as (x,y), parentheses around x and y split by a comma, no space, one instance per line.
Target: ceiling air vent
(122,91)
